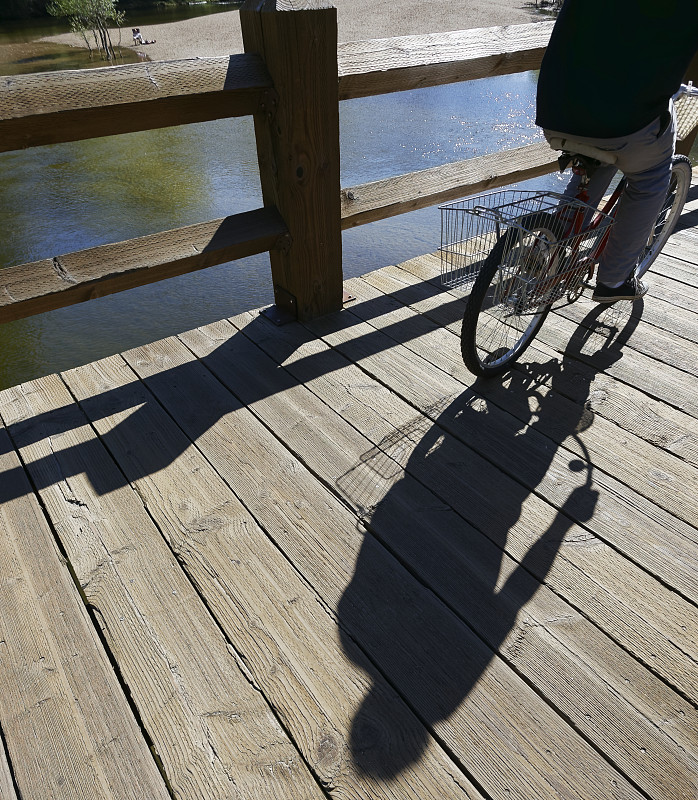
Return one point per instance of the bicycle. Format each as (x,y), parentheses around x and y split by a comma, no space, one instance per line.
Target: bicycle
(523,251)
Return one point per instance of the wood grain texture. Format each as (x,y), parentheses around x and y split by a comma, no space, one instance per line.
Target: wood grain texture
(7,789)
(72,105)
(285,635)
(549,632)
(298,152)
(65,719)
(98,271)
(661,543)
(659,339)
(397,64)
(585,562)
(390,196)
(659,379)
(442,588)
(210,728)
(385,613)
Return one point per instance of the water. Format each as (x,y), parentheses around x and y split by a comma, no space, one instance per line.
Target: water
(68,197)
(20,52)
(28,30)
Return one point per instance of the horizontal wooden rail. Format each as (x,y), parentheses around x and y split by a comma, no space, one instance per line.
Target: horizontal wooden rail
(378,200)
(379,66)
(46,108)
(51,107)
(53,283)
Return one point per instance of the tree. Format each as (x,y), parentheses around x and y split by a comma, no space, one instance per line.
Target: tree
(93,15)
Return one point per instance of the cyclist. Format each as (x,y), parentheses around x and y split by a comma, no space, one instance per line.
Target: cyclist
(607,79)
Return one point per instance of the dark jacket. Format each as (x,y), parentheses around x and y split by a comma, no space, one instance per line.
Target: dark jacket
(612,65)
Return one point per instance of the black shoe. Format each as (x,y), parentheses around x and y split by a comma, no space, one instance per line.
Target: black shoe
(632,289)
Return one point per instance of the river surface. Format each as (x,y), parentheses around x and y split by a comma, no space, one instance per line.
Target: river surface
(67,197)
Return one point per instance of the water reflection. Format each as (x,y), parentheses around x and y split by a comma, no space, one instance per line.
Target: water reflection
(49,56)
(13,31)
(68,197)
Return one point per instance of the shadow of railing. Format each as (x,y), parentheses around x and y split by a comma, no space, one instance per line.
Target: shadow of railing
(443,517)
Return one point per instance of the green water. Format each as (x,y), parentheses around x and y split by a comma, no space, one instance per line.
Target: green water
(68,197)
(49,56)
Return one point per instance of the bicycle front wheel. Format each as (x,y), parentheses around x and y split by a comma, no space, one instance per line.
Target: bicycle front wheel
(669,214)
(506,306)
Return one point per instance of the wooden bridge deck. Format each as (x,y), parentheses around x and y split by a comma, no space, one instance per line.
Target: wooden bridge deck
(260,562)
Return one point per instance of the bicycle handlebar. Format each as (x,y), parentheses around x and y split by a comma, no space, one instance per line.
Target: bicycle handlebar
(686,88)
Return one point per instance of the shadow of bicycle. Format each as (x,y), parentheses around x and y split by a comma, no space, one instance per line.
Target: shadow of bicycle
(454,496)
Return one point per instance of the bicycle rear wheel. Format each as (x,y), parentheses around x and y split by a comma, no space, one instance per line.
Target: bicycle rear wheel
(679,185)
(501,319)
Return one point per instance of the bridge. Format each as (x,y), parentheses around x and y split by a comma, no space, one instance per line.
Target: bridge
(318,559)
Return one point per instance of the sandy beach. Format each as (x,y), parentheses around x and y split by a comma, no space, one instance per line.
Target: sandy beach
(219,34)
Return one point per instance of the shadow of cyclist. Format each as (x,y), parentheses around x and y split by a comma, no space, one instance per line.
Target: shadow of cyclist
(463,518)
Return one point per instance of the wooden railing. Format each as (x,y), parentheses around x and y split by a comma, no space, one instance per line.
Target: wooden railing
(290,79)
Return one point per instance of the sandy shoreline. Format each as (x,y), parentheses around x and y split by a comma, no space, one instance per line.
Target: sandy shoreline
(219,34)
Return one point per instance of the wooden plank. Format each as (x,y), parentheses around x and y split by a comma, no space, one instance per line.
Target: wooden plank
(674,349)
(211,729)
(681,247)
(661,381)
(581,570)
(45,108)
(98,271)
(652,377)
(662,544)
(477,707)
(670,289)
(377,200)
(298,149)
(628,407)
(72,105)
(397,64)
(462,557)
(286,636)
(671,307)
(7,788)
(65,720)
(573,426)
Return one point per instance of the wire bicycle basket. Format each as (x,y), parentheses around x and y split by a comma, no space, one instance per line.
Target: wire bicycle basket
(686,108)
(526,232)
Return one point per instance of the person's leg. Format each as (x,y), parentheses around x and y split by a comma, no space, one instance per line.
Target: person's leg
(646,163)
(596,189)
(598,184)
(600,178)
(645,159)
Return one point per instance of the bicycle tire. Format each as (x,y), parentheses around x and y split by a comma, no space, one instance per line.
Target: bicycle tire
(680,183)
(493,334)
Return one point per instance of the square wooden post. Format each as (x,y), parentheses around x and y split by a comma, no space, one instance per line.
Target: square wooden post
(297,133)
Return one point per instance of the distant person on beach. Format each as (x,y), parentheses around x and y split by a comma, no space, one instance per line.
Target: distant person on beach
(138,37)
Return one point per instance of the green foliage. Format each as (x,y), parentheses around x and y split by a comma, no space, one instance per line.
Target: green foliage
(90,15)
(92,12)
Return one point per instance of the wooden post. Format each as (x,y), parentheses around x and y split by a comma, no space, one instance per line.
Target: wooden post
(684,147)
(297,131)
